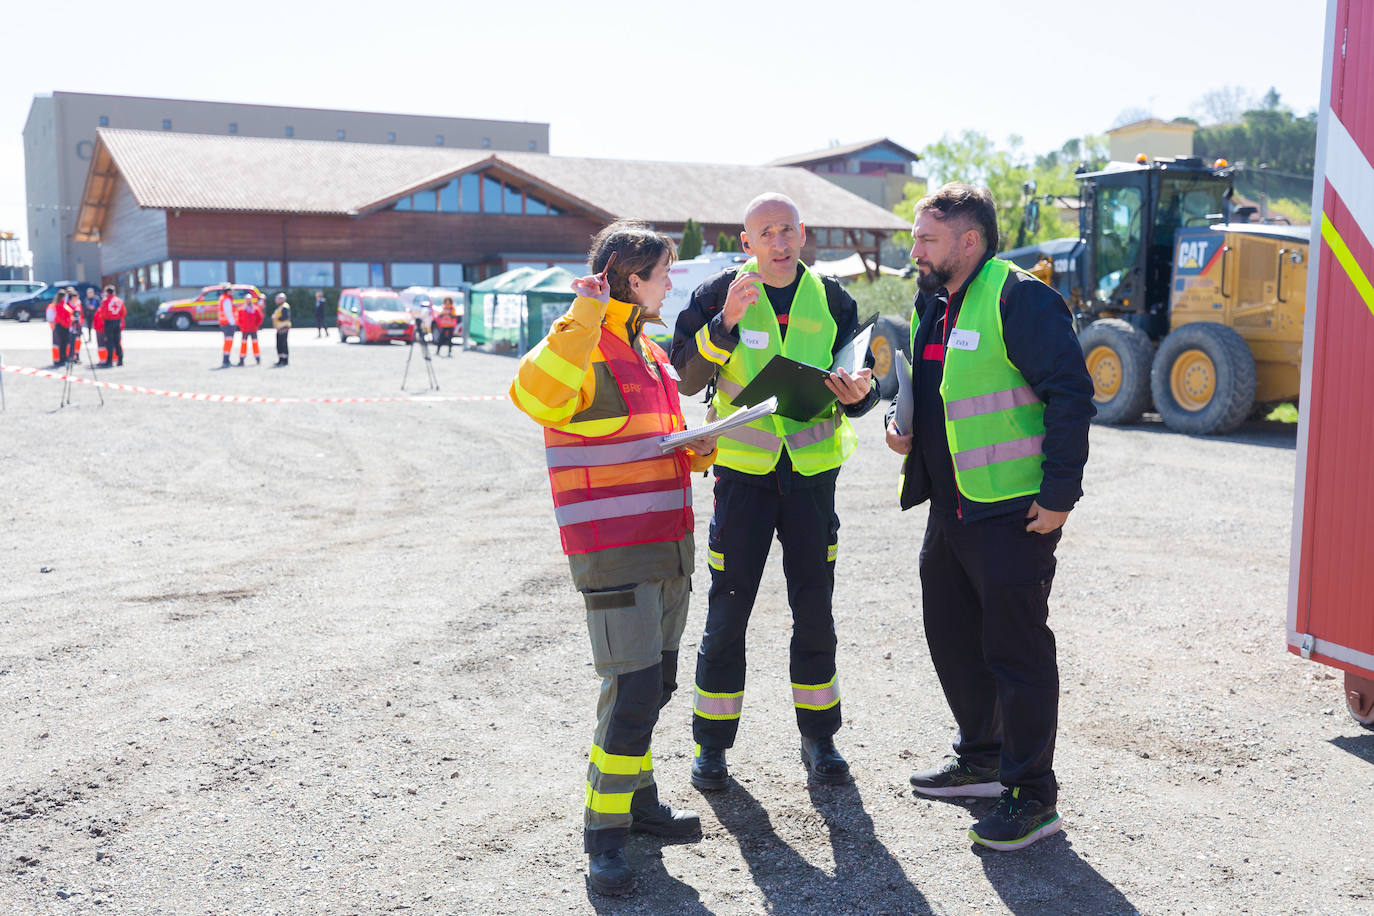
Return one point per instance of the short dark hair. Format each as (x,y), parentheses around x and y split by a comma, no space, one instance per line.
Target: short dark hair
(109,289)
(966,203)
(638,249)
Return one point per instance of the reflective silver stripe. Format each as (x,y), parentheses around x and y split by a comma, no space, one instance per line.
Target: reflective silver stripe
(718,707)
(731,389)
(998,452)
(619,506)
(816,697)
(590,456)
(992,402)
(748,435)
(817,432)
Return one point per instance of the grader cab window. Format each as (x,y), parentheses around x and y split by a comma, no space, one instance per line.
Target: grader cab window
(1118,238)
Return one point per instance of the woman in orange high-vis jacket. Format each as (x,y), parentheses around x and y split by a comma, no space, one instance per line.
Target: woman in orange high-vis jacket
(605,394)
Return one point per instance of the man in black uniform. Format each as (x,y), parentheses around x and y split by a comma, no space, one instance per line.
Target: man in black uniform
(773,476)
(1001,413)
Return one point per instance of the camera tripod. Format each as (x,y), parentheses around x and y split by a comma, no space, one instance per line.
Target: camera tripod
(67,376)
(429,363)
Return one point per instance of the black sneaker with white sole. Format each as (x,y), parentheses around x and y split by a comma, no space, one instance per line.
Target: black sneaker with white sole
(1016,822)
(956,779)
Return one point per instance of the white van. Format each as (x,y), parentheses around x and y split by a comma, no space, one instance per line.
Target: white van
(686,277)
(10,290)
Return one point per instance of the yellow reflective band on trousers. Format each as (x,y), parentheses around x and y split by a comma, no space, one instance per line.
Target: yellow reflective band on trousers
(993,420)
(619,764)
(710,705)
(609,802)
(715,559)
(832,551)
(816,696)
(815,445)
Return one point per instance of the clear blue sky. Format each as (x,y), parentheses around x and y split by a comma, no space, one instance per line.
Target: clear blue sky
(695,81)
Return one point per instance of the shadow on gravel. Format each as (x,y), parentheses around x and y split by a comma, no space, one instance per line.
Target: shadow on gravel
(866,875)
(1264,433)
(656,891)
(1362,746)
(1050,877)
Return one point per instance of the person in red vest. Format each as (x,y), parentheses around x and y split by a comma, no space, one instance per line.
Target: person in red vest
(109,328)
(228,322)
(447,323)
(249,321)
(78,322)
(605,394)
(60,320)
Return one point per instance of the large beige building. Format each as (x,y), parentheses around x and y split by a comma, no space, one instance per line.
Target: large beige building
(60,133)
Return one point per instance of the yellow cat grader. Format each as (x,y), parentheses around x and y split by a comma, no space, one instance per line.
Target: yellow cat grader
(1180,307)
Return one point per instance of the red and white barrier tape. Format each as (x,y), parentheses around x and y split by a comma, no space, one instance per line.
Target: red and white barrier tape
(242,398)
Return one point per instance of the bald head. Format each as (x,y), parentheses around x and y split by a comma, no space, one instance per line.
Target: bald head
(774,235)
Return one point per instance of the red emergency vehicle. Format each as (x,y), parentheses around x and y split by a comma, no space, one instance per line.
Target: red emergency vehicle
(1331,580)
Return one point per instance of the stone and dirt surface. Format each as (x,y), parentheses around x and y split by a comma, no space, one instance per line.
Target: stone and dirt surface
(326,658)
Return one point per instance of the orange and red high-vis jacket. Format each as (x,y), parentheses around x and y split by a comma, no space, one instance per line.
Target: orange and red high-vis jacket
(605,395)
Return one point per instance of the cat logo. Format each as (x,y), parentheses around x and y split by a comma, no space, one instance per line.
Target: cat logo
(1192,254)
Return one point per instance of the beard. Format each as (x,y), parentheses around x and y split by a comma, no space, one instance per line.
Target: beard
(936,277)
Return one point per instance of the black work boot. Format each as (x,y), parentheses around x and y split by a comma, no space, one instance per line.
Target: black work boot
(823,762)
(709,770)
(609,873)
(649,815)
(225,364)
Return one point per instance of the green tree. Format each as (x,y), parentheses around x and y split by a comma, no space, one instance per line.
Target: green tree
(690,246)
(1007,173)
(726,242)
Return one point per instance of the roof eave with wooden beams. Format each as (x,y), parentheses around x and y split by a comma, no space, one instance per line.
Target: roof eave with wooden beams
(96,195)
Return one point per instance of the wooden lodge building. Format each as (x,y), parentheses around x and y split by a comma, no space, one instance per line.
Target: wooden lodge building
(176,211)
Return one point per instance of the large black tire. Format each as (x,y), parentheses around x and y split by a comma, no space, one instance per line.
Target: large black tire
(890,337)
(1118,357)
(182,322)
(1203,379)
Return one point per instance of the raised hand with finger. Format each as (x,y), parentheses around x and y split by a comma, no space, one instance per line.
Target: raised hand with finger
(744,291)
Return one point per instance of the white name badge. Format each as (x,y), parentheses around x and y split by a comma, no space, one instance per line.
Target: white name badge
(672,373)
(754,340)
(959,339)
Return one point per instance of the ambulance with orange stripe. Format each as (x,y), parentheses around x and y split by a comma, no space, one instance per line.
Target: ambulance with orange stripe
(184,314)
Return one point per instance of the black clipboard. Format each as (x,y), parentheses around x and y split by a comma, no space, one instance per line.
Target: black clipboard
(799,388)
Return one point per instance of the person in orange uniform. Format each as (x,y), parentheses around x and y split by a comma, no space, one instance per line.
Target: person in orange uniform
(60,320)
(249,320)
(228,322)
(109,328)
(447,323)
(605,394)
(78,322)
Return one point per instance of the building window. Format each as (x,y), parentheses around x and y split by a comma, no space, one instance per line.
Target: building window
(512,201)
(339,133)
(426,201)
(310,273)
(403,204)
(471,185)
(412,274)
(532,145)
(391,136)
(84,149)
(353,273)
(535,206)
(166,274)
(448,197)
(166,123)
(486,143)
(254,272)
(451,275)
(491,195)
(104,121)
(153,281)
(290,131)
(233,127)
(203,273)
(274,274)
(438,139)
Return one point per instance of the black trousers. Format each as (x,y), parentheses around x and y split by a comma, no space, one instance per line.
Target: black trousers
(62,340)
(283,351)
(114,343)
(745,520)
(986,588)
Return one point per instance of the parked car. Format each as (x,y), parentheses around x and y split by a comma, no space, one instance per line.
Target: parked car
(15,290)
(36,305)
(184,314)
(373,315)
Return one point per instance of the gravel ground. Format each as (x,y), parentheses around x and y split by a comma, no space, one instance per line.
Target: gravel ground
(326,658)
